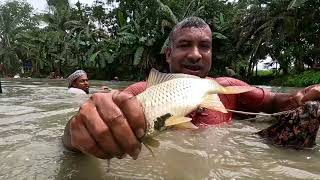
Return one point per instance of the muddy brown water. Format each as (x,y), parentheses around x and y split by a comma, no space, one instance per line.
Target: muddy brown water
(33,113)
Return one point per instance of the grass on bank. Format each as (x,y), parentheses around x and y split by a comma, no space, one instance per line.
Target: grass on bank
(302,79)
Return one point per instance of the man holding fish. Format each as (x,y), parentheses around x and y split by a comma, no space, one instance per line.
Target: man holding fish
(114,124)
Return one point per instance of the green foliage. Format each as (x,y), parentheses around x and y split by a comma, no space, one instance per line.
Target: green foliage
(15,18)
(304,79)
(138,56)
(265,73)
(132,36)
(296,3)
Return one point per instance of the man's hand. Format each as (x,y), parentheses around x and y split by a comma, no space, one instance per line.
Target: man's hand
(310,93)
(107,125)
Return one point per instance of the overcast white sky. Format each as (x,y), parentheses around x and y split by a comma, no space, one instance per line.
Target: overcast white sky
(41,5)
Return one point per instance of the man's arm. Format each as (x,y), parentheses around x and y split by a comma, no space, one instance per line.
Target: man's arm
(280,102)
(262,100)
(286,101)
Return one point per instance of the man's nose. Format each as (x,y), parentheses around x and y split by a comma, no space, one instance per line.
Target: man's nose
(195,54)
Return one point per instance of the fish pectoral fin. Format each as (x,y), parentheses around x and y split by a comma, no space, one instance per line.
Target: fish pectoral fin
(237,89)
(174,120)
(150,141)
(212,101)
(150,150)
(186,125)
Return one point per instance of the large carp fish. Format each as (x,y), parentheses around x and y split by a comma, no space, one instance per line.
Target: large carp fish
(168,98)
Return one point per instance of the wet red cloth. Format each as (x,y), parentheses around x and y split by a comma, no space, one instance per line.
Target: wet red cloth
(250,101)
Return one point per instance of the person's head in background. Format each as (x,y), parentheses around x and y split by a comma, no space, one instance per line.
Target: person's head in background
(116,78)
(190,45)
(79,80)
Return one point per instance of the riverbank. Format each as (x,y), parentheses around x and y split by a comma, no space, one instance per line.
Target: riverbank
(303,79)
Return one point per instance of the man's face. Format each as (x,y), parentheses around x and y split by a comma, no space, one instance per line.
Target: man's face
(82,82)
(190,51)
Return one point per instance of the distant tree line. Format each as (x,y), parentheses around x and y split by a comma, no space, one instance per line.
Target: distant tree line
(125,38)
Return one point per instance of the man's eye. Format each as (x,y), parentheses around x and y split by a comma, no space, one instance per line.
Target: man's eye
(183,45)
(205,46)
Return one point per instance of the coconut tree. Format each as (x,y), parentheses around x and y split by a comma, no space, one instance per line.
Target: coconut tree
(288,30)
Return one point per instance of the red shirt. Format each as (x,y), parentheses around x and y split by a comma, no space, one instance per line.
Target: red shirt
(250,101)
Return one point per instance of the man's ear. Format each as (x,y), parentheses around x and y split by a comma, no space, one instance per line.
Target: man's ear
(168,54)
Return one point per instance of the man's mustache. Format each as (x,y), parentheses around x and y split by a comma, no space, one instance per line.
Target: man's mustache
(193,64)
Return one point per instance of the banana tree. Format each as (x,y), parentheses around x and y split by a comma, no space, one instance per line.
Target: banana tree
(15,16)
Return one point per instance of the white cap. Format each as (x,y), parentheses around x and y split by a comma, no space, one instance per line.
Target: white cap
(74,76)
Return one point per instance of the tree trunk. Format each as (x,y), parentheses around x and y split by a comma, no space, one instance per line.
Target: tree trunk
(250,68)
(0,87)
(257,69)
(316,62)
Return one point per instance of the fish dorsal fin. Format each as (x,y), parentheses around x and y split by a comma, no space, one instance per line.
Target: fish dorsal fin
(150,141)
(155,77)
(212,101)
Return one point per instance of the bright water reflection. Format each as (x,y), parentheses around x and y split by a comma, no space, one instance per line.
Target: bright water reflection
(34,112)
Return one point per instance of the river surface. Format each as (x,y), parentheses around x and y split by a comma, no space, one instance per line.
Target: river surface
(33,113)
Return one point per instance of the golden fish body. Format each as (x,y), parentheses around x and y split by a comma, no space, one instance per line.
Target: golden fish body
(178,95)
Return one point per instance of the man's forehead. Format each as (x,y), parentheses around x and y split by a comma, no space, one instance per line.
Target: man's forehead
(199,32)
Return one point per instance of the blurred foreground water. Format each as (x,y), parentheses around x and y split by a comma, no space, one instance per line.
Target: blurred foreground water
(33,113)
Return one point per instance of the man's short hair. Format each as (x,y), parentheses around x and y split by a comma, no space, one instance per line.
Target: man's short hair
(187,23)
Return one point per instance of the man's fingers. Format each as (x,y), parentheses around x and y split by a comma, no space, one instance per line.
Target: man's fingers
(133,112)
(124,135)
(81,139)
(101,133)
(117,123)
